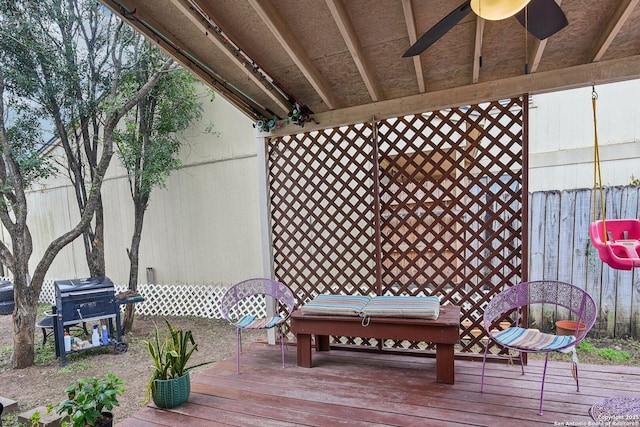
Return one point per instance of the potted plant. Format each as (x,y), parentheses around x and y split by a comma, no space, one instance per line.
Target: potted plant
(90,399)
(170,385)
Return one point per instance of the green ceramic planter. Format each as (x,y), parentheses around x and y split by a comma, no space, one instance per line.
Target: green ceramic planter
(173,392)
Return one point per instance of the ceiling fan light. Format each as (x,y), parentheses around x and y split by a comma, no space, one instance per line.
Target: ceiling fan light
(494,10)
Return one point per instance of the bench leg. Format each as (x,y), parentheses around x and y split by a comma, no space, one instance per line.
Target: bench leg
(445,370)
(303,347)
(322,342)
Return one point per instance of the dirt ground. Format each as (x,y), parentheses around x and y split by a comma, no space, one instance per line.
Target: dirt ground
(45,382)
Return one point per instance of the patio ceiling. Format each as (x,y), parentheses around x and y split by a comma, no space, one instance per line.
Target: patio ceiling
(343,58)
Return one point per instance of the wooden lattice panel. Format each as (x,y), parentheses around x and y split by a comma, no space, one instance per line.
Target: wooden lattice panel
(451,206)
(429,204)
(322,211)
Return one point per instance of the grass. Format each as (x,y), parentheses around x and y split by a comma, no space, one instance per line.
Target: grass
(609,354)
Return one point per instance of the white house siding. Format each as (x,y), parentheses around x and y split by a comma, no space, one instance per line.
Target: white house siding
(204,228)
(562,139)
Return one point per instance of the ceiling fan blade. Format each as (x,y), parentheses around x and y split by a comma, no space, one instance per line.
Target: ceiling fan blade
(438,30)
(545,18)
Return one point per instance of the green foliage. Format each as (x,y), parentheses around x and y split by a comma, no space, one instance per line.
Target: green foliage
(606,353)
(609,353)
(35,418)
(170,355)
(88,397)
(148,144)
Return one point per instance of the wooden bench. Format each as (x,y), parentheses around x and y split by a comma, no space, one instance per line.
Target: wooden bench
(443,332)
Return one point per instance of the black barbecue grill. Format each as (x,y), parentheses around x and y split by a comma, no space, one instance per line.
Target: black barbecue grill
(85,300)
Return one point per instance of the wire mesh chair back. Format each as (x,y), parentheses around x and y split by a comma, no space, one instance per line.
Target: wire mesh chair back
(516,298)
(247,300)
(240,298)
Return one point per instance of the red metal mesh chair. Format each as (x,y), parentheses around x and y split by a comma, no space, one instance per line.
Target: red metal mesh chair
(511,302)
(239,304)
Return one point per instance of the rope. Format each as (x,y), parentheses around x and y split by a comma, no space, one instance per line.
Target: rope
(597,174)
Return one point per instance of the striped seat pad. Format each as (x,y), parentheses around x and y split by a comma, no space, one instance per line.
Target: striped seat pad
(349,305)
(402,306)
(531,339)
(252,322)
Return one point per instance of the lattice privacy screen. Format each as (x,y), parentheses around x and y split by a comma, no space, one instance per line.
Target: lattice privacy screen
(425,204)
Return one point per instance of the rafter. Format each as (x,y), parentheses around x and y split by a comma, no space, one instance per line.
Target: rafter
(477,49)
(538,49)
(536,54)
(620,16)
(340,15)
(409,18)
(292,46)
(199,19)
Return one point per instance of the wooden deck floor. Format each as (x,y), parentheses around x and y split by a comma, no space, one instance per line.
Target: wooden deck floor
(357,389)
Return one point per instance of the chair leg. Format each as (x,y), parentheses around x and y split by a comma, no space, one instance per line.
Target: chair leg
(484,361)
(544,374)
(521,362)
(281,344)
(238,349)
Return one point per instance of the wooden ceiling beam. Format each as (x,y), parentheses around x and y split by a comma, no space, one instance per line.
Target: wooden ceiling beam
(292,46)
(538,49)
(546,81)
(208,32)
(477,50)
(341,17)
(407,7)
(619,17)
(536,54)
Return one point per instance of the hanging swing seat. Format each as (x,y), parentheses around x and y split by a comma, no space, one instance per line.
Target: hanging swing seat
(620,247)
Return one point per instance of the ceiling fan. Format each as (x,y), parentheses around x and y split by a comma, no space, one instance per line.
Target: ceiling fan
(542,18)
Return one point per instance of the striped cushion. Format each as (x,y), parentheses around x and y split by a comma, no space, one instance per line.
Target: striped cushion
(252,322)
(530,339)
(349,305)
(397,306)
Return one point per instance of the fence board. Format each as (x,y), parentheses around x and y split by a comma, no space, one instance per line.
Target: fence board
(609,275)
(581,241)
(628,209)
(536,246)
(551,235)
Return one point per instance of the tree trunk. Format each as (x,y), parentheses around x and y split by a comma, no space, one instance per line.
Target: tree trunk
(140,206)
(24,316)
(95,259)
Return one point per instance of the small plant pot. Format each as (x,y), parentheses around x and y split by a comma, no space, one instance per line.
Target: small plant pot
(106,421)
(171,393)
(568,327)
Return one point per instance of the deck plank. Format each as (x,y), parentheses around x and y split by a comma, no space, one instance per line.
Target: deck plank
(375,389)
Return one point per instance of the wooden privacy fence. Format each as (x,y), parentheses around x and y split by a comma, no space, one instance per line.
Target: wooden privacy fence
(560,248)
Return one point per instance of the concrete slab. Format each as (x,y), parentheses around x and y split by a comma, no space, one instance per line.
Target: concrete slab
(46,420)
(9,405)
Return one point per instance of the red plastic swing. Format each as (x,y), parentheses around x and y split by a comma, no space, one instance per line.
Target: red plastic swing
(617,240)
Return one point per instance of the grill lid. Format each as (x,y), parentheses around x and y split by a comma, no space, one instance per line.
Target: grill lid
(79,285)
